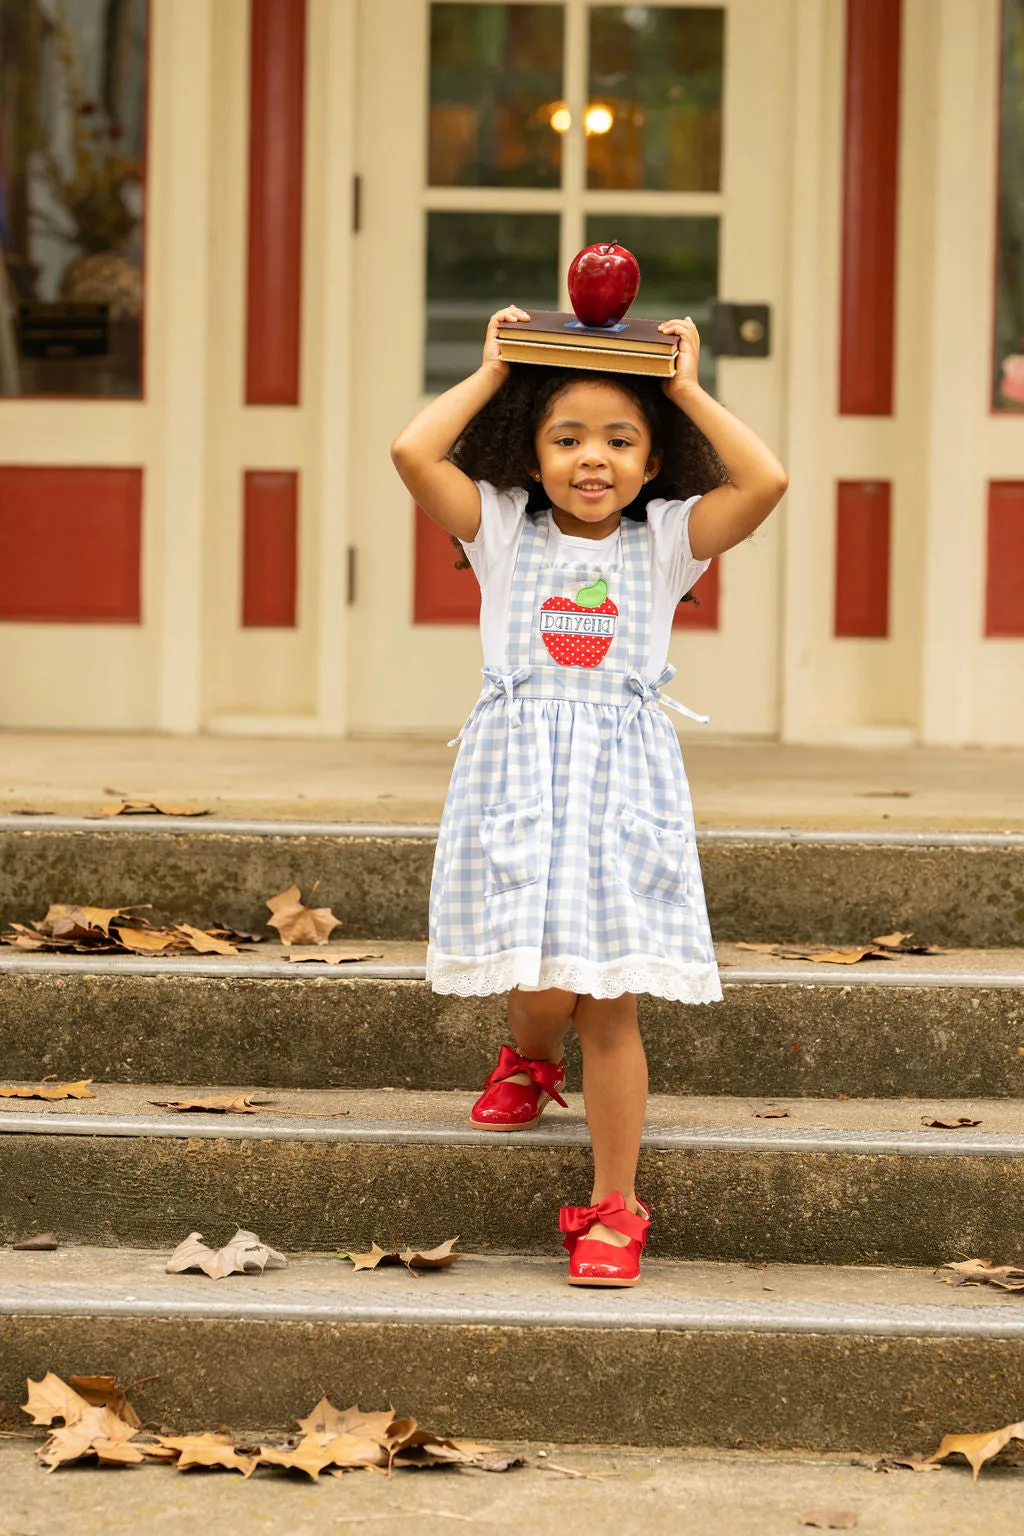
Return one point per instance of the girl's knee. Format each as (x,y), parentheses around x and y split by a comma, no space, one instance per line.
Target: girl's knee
(550,1006)
(603,1017)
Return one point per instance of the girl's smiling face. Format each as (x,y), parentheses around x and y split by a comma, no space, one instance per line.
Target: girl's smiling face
(593,454)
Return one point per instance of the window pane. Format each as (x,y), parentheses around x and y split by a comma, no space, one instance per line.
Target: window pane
(654,118)
(495,82)
(476,262)
(678,270)
(1009,348)
(72,151)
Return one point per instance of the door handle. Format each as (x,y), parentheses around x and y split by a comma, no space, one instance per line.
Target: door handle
(740,330)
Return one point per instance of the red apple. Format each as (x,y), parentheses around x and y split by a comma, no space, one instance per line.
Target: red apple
(603,282)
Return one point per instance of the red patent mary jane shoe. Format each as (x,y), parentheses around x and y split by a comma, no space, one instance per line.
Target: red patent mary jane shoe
(505,1106)
(592,1262)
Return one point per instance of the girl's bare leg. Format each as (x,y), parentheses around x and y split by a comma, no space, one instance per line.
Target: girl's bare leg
(615,1096)
(539,1022)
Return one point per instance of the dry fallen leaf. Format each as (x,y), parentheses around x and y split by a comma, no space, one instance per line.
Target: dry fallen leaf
(66,921)
(298,924)
(99,1432)
(433,1258)
(208,1451)
(334,956)
(369,1260)
(51,1398)
(913,1463)
(205,943)
(104,1392)
(949,1125)
(413,1258)
(819,954)
(51,1091)
(978,1448)
(771,1114)
(423,1449)
(309,1456)
(329,1421)
(1008,1277)
(126,807)
(244,1252)
(148,941)
(830,1519)
(39,1242)
(221,1104)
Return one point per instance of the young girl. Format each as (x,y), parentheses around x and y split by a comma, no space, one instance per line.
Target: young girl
(566,871)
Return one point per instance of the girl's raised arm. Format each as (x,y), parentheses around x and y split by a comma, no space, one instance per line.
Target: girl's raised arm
(420,452)
(757,481)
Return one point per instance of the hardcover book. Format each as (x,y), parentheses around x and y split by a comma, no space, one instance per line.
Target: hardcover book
(559,340)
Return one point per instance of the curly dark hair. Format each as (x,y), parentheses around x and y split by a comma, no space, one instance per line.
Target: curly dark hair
(498,444)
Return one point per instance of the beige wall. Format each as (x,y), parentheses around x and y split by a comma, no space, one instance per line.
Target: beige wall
(936,678)
(190,666)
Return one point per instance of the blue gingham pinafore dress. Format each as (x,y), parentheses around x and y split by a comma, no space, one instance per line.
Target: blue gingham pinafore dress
(567,855)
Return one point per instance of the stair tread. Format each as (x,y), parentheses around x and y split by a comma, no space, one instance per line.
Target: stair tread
(404,960)
(350,1114)
(503,1291)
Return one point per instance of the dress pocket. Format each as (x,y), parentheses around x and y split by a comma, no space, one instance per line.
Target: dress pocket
(510,835)
(653,855)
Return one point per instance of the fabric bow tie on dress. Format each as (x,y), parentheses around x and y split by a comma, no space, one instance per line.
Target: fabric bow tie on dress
(647,694)
(612,1212)
(498,684)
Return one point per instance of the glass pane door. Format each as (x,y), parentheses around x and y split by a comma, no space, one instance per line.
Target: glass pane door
(496,140)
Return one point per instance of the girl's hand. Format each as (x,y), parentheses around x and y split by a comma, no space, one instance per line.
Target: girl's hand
(492,357)
(684,380)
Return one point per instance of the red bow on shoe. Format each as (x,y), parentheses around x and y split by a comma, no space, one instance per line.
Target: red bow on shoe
(574,1220)
(547,1075)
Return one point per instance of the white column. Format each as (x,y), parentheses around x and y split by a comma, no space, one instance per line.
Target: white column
(806,307)
(960,342)
(332,57)
(177,239)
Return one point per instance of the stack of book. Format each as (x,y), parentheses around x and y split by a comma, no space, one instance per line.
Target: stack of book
(559,340)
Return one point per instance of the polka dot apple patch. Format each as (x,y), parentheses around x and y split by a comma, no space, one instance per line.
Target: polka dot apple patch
(578,634)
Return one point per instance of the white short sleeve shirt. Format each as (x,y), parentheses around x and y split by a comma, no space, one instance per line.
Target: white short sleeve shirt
(492,555)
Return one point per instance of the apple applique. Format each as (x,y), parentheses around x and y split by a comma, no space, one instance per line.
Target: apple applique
(603,282)
(578,634)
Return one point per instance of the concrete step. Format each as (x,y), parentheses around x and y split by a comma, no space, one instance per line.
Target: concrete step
(963,889)
(937,1024)
(858,1182)
(743,1355)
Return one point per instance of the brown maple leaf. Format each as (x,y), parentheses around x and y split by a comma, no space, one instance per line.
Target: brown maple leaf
(51,1398)
(978,1448)
(334,956)
(104,1392)
(327,1420)
(149,941)
(1008,1277)
(244,1252)
(126,807)
(205,943)
(298,924)
(51,1091)
(310,1456)
(220,1104)
(208,1451)
(440,1257)
(66,921)
(97,1432)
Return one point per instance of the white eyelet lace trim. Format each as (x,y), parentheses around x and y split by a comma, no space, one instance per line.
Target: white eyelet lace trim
(455,975)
